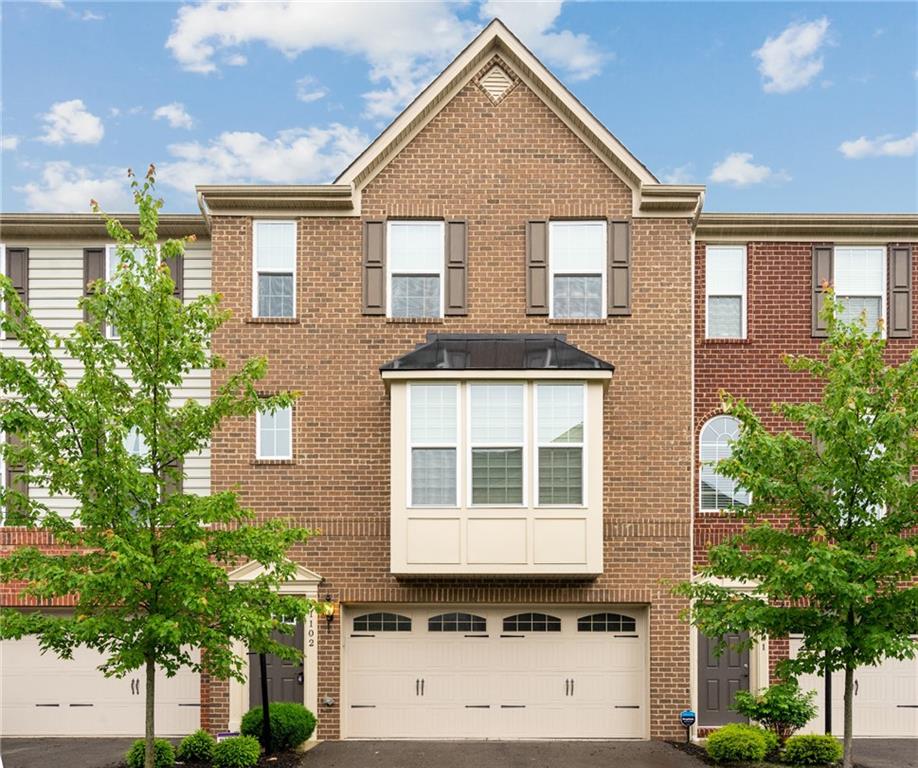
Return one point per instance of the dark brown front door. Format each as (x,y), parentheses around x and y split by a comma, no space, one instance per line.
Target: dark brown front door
(719,678)
(285,678)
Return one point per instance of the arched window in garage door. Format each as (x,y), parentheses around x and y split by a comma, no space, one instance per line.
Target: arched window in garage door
(532,622)
(606,622)
(382,622)
(457,622)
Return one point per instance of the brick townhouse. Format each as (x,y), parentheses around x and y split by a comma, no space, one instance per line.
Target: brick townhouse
(497,320)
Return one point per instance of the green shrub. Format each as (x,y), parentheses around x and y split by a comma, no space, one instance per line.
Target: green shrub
(291,724)
(237,752)
(781,708)
(163,754)
(812,750)
(736,742)
(197,748)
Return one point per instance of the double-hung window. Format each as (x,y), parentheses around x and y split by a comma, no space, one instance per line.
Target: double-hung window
(577,260)
(274,434)
(497,439)
(560,435)
(725,289)
(415,263)
(274,246)
(433,436)
(112,266)
(860,284)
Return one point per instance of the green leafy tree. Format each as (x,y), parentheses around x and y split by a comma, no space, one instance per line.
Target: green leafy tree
(844,572)
(146,564)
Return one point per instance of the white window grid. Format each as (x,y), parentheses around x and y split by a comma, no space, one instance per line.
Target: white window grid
(553,267)
(743,295)
(445,444)
(256,270)
(440,261)
(259,453)
(584,502)
(523,443)
(859,287)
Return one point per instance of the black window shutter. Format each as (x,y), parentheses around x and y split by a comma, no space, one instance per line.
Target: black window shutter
(177,271)
(823,275)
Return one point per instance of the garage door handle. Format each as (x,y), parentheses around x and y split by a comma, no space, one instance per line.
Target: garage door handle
(567,687)
(422,686)
(417,686)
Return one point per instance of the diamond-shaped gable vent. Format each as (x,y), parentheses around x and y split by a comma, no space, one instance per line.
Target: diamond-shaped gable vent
(496,82)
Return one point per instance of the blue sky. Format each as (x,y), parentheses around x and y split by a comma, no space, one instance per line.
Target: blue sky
(774,106)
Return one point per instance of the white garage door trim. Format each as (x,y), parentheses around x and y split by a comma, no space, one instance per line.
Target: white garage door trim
(43,695)
(489,680)
(886,704)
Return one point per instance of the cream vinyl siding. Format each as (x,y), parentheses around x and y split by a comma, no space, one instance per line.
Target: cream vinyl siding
(55,287)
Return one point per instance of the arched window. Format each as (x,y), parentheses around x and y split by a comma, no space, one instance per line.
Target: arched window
(606,622)
(719,492)
(532,622)
(457,622)
(382,622)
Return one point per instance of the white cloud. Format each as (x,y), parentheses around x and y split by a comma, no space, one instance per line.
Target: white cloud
(309,89)
(792,60)
(9,144)
(681,174)
(738,170)
(70,122)
(53,3)
(64,187)
(295,156)
(175,113)
(236,60)
(90,16)
(881,146)
(418,40)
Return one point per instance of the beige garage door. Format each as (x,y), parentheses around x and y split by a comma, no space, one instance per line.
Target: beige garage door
(885,700)
(495,673)
(42,695)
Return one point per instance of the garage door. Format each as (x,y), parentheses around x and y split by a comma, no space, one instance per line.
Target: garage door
(495,673)
(885,699)
(43,695)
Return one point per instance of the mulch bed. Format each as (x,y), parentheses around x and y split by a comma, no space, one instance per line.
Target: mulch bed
(277,760)
(699,753)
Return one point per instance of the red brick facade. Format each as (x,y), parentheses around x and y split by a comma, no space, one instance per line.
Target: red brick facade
(496,167)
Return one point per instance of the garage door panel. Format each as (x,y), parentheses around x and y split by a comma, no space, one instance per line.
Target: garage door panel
(531,685)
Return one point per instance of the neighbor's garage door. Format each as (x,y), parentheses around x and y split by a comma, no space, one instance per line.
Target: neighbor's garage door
(43,695)
(885,700)
(498,673)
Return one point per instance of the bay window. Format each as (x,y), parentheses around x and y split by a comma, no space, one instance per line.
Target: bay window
(433,439)
(560,420)
(497,440)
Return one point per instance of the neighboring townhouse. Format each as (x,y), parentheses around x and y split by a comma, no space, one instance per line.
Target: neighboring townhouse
(496,319)
(759,287)
(51,258)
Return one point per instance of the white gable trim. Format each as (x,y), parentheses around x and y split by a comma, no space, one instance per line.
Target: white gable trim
(495,38)
(303,581)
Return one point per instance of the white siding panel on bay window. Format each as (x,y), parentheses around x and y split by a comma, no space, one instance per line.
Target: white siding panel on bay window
(55,288)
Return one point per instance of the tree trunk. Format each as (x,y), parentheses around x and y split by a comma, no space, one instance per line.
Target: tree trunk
(150,733)
(849,715)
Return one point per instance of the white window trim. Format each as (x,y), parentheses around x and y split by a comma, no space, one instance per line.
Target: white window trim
(584,501)
(552,271)
(258,454)
(467,393)
(883,295)
(701,466)
(426,444)
(441,264)
(256,271)
(744,303)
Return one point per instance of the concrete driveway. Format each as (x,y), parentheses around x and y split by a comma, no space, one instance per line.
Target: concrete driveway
(107,753)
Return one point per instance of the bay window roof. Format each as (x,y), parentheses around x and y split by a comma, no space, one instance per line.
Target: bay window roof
(496,352)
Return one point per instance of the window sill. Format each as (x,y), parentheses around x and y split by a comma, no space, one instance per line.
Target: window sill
(578,321)
(273,321)
(414,320)
(273,462)
(728,342)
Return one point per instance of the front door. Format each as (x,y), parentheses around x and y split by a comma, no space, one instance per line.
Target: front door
(719,678)
(285,678)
